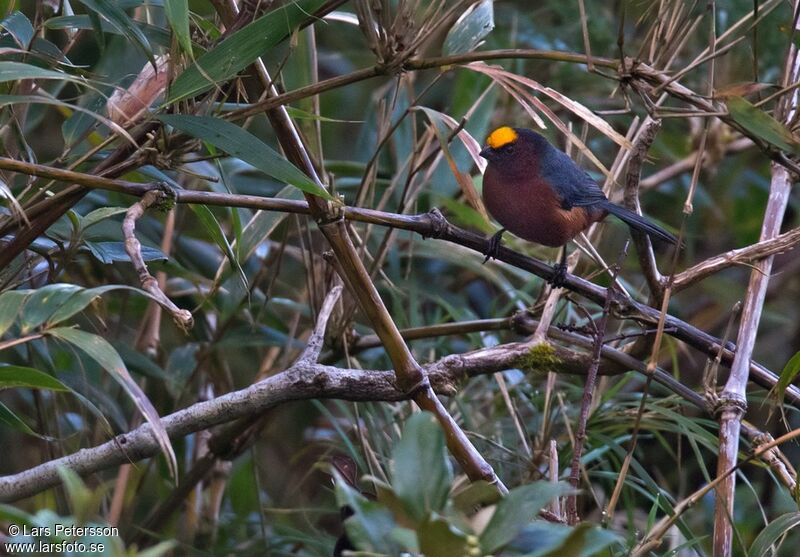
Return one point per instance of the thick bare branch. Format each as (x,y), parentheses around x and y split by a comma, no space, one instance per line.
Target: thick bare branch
(304,380)
(331,221)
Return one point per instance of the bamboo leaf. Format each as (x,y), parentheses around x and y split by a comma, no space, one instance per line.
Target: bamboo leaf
(470,29)
(117,17)
(43,302)
(762,125)
(774,531)
(98,215)
(177,12)
(214,230)
(12,420)
(14,71)
(12,377)
(98,349)
(788,375)
(82,298)
(155,34)
(241,49)
(6,100)
(19,27)
(243,145)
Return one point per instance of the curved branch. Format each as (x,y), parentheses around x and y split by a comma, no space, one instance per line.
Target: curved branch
(741,256)
(305,380)
(434,225)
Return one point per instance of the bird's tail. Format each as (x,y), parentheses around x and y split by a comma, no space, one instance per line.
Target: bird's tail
(639,222)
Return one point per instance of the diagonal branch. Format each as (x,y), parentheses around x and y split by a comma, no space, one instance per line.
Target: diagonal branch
(435,225)
(317,338)
(182,317)
(304,380)
(330,218)
(644,247)
(741,256)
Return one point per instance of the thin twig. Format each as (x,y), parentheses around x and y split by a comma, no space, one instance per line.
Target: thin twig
(317,338)
(588,392)
(433,224)
(182,317)
(644,247)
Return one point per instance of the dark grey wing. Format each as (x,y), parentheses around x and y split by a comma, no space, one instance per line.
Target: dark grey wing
(575,186)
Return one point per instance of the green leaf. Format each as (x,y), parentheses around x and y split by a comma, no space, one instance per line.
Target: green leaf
(92,218)
(157,550)
(43,302)
(540,537)
(517,510)
(14,71)
(475,495)
(98,349)
(19,376)
(774,531)
(243,145)
(212,226)
(51,304)
(422,473)
(177,12)
(442,124)
(12,420)
(80,497)
(299,114)
(98,24)
(84,113)
(241,49)
(461,214)
(263,223)
(117,17)
(788,375)
(370,528)
(470,29)
(584,540)
(111,252)
(10,302)
(438,538)
(762,125)
(155,34)
(9,513)
(20,28)
(82,298)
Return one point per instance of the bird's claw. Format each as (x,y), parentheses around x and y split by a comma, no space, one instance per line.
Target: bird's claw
(494,245)
(559,275)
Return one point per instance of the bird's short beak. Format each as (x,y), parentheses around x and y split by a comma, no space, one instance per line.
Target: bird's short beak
(485,152)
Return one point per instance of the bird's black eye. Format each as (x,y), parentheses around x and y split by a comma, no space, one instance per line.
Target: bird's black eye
(509,148)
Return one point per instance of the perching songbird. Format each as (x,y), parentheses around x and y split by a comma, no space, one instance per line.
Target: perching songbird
(540,194)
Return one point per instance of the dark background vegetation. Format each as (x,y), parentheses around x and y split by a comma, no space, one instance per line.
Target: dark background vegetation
(273,493)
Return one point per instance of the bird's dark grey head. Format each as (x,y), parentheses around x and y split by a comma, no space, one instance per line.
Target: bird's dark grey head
(506,143)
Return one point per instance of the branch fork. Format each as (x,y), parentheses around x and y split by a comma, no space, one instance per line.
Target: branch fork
(159,198)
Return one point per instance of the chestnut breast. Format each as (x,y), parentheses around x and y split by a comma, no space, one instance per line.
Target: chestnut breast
(528,207)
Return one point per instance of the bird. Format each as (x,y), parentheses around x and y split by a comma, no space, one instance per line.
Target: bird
(537,192)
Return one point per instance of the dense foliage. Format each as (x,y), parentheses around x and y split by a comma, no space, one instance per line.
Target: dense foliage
(171,122)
